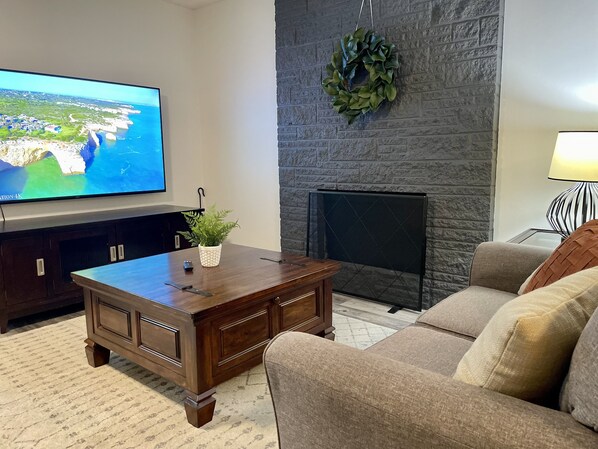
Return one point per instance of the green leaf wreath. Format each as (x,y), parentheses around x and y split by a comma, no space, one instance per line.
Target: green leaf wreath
(357,51)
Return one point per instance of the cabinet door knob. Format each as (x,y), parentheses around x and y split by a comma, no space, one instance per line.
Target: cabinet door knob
(41,270)
(121,252)
(177,242)
(277,300)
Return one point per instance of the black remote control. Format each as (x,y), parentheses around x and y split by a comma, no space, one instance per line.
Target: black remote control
(188,265)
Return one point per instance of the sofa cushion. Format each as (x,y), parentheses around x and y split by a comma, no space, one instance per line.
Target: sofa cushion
(577,252)
(580,389)
(425,348)
(466,312)
(525,349)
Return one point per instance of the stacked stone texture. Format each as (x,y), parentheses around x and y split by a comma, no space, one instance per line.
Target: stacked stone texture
(439,137)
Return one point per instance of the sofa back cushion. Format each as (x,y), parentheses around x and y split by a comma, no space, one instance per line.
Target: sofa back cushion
(579,395)
(579,251)
(524,350)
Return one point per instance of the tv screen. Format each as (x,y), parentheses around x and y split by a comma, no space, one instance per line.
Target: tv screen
(63,137)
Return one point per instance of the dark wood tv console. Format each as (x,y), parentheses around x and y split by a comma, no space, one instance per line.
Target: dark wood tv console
(38,255)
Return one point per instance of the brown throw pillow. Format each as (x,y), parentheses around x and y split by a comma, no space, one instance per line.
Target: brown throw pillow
(577,252)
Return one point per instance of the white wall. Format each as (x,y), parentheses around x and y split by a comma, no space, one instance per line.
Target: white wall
(220,99)
(236,75)
(147,42)
(550,62)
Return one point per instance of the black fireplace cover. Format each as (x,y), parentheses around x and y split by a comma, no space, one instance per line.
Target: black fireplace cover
(379,237)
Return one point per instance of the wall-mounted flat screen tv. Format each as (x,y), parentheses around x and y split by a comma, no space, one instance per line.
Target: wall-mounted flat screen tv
(63,137)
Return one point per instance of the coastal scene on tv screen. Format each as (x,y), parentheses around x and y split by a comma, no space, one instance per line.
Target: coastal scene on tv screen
(65,137)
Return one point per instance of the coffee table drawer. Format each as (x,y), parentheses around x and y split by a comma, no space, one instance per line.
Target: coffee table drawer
(159,338)
(240,336)
(301,310)
(114,319)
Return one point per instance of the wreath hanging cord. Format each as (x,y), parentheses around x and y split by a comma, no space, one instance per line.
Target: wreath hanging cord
(361,53)
(371,15)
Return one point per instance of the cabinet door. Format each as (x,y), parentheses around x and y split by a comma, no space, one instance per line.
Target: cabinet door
(3,311)
(23,267)
(140,237)
(77,250)
(174,241)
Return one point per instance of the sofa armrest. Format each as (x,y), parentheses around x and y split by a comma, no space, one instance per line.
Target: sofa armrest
(504,266)
(327,395)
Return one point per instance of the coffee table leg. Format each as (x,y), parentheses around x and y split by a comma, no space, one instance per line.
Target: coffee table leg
(199,407)
(328,333)
(96,355)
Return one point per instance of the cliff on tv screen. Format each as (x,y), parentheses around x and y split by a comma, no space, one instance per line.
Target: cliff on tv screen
(65,137)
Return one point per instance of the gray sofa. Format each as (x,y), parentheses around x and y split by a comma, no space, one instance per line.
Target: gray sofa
(400,392)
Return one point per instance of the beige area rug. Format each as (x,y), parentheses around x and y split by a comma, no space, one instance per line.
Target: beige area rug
(51,398)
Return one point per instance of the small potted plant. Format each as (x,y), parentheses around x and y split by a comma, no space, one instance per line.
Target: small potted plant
(207,231)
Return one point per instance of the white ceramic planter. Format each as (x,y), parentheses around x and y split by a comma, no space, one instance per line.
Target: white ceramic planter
(209,256)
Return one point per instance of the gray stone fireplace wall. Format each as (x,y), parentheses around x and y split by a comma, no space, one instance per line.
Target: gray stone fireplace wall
(439,137)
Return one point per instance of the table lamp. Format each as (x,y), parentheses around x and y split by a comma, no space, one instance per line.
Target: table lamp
(575,158)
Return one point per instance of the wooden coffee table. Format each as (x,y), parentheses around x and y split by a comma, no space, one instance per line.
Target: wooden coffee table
(199,341)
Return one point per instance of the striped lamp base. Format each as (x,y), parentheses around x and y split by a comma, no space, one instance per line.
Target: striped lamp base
(573,207)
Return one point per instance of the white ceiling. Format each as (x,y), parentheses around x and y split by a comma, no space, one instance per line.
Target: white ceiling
(191,4)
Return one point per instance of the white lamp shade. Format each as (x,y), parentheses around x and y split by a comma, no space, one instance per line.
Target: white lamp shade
(575,156)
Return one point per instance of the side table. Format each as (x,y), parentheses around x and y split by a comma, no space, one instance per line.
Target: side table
(546,238)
